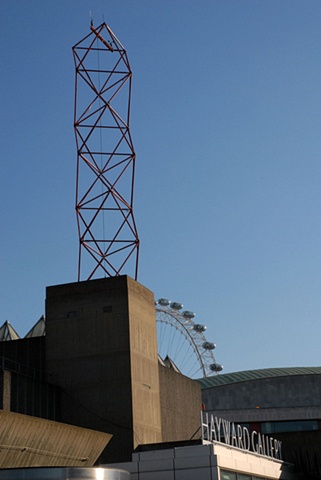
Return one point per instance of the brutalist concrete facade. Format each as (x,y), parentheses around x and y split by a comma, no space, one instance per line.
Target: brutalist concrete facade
(97,367)
(180,406)
(101,349)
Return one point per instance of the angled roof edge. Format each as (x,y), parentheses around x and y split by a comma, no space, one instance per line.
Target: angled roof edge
(39,328)
(7,332)
(250,375)
(28,441)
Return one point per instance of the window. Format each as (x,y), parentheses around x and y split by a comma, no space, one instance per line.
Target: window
(225,475)
(107,309)
(293,426)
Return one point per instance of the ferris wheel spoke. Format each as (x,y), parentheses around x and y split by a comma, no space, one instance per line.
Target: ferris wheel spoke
(171,341)
(194,371)
(183,341)
(180,346)
(161,334)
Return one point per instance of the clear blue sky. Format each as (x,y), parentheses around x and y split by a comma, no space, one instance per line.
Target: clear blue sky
(226,123)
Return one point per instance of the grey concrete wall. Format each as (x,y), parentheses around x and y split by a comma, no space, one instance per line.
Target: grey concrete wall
(268,414)
(180,406)
(279,392)
(26,355)
(144,364)
(101,350)
(6,395)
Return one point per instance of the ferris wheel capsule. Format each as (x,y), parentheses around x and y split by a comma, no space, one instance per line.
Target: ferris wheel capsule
(208,345)
(163,302)
(176,305)
(188,314)
(216,367)
(198,327)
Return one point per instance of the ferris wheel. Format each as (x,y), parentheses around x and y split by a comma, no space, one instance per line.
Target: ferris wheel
(181,342)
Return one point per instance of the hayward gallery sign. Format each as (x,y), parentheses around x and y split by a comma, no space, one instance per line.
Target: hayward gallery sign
(219,430)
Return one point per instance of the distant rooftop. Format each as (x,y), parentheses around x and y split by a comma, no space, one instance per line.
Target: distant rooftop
(248,375)
(39,329)
(7,332)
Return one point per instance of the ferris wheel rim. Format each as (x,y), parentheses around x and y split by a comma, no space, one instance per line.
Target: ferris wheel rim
(187,335)
(197,340)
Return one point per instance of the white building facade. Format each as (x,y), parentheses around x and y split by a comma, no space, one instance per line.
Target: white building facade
(209,461)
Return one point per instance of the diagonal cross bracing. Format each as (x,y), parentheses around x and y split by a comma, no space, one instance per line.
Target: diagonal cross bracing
(108,238)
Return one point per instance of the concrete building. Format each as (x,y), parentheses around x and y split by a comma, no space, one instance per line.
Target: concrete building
(212,461)
(282,402)
(95,365)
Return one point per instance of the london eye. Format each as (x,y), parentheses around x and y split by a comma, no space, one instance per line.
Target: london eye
(182,344)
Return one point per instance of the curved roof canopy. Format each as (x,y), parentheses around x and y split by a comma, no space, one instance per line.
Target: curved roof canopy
(248,375)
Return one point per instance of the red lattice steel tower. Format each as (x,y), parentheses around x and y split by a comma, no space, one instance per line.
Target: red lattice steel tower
(108,238)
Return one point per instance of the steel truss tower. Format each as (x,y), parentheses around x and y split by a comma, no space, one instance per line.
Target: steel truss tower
(108,238)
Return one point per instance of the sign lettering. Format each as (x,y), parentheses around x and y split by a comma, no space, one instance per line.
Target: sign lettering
(216,429)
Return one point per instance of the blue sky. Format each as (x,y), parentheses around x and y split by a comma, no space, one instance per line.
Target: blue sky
(226,119)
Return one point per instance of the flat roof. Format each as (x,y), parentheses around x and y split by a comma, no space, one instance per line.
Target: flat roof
(248,375)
